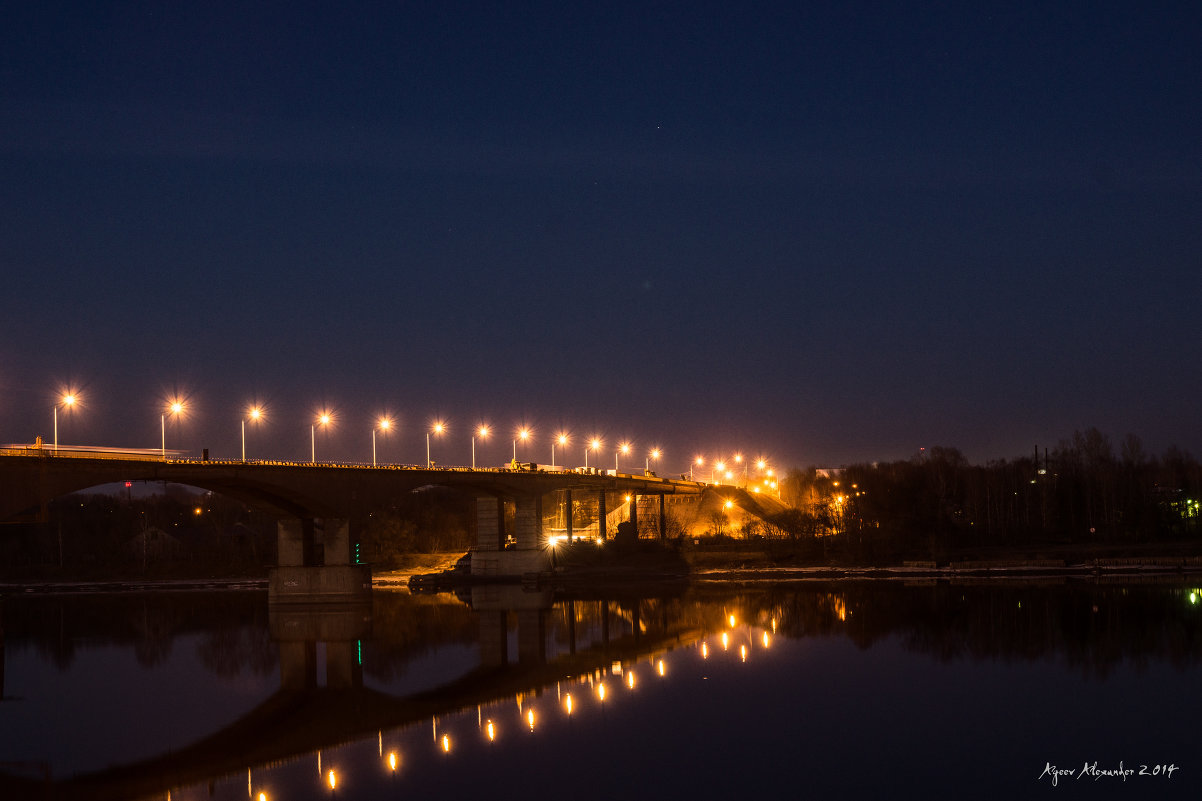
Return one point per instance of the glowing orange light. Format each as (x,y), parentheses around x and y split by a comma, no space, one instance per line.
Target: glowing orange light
(385,424)
(530,719)
(567,703)
(482,432)
(491,729)
(439,427)
(594,443)
(562,439)
(601,691)
(446,744)
(659,667)
(392,761)
(332,779)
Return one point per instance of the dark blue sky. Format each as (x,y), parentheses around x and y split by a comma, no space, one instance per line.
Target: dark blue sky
(821,232)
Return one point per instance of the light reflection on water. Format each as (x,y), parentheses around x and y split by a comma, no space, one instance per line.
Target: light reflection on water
(821,688)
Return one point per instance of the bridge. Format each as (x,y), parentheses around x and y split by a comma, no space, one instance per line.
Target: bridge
(319,504)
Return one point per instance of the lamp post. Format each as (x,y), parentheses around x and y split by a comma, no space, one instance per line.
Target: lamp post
(255,413)
(438,428)
(593,445)
(68,401)
(623,449)
(699,461)
(481,432)
(384,425)
(176,408)
(523,435)
(653,455)
(720,465)
(561,439)
(323,419)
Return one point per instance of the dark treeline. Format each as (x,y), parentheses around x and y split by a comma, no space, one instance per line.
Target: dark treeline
(105,535)
(1082,492)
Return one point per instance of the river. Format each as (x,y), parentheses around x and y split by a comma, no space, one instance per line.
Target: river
(998,688)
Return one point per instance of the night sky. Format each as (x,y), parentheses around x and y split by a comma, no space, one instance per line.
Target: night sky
(821,232)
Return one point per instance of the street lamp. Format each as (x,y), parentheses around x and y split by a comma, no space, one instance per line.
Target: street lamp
(593,445)
(323,419)
(720,466)
(561,439)
(255,414)
(653,455)
(623,449)
(482,432)
(384,425)
(176,408)
(437,429)
(699,461)
(68,401)
(523,435)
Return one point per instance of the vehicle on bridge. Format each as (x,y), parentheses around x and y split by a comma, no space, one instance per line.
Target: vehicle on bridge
(39,448)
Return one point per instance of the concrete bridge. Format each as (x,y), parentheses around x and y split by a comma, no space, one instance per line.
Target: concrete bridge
(319,503)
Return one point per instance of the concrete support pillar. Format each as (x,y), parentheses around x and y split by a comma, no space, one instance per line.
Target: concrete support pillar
(663,524)
(490,523)
(567,503)
(295,542)
(601,532)
(532,637)
(494,639)
(336,538)
(528,522)
(634,513)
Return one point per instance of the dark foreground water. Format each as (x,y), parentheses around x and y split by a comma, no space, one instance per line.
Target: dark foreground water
(808,690)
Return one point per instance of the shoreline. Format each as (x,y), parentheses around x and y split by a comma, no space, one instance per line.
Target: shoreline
(701,567)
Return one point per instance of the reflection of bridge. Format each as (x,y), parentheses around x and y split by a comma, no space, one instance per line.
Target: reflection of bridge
(302,718)
(319,503)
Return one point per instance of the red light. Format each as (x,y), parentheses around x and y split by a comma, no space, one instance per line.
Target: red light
(128,484)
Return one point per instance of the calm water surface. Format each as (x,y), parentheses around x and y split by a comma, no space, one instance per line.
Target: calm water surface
(804,690)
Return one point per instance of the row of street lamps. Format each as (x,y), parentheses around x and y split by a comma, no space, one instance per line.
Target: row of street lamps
(177,407)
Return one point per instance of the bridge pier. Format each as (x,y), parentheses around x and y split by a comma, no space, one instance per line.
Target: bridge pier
(528,555)
(567,502)
(300,577)
(601,527)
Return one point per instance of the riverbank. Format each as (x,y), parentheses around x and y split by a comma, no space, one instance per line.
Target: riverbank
(730,563)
